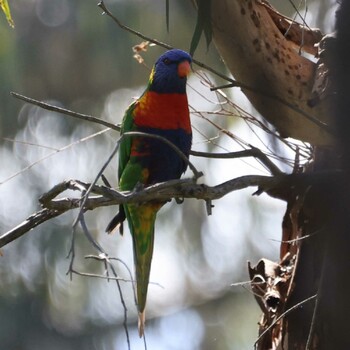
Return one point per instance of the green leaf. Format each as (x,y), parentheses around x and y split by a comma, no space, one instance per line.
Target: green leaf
(167,14)
(5,7)
(203,24)
(195,38)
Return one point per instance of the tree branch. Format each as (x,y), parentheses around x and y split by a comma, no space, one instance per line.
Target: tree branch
(253,152)
(65,111)
(166,46)
(276,186)
(32,221)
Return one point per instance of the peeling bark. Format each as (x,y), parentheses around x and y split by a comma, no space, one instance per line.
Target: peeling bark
(261,48)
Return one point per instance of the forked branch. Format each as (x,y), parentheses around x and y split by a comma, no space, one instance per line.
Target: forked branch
(276,186)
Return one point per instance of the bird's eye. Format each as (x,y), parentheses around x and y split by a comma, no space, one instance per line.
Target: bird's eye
(166,61)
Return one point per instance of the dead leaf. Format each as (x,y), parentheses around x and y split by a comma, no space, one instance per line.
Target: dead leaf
(137,49)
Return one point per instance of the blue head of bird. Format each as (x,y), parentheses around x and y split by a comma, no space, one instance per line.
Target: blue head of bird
(170,72)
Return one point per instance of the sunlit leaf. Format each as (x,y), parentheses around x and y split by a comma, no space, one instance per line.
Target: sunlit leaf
(5,7)
(203,24)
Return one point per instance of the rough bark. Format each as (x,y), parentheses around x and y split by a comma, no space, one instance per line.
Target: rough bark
(305,296)
(335,287)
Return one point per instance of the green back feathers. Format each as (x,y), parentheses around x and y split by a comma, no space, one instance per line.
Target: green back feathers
(125,145)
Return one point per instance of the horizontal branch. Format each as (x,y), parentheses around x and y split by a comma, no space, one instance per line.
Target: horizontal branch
(107,196)
(252,152)
(276,186)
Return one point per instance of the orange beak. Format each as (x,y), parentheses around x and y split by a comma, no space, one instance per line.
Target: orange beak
(183,69)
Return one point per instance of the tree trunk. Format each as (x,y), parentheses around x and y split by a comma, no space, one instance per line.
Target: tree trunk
(305,296)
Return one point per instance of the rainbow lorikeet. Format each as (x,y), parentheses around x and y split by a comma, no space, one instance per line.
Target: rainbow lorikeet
(161,110)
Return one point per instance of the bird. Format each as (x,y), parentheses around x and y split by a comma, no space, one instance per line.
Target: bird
(161,110)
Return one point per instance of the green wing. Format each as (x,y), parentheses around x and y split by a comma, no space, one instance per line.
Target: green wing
(125,145)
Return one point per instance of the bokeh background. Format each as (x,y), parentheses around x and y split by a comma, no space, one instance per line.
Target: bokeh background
(66,53)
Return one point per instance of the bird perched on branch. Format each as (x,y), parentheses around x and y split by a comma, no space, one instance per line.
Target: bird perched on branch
(161,110)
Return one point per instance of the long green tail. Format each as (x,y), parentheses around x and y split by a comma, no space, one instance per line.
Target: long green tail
(142,219)
(143,269)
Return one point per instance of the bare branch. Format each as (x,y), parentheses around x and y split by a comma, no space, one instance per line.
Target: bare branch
(87,274)
(292,106)
(29,143)
(65,111)
(163,192)
(130,30)
(106,197)
(32,221)
(166,46)
(296,306)
(253,152)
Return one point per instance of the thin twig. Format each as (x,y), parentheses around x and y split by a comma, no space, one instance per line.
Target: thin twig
(71,255)
(293,21)
(295,240)
(313,321)
(29,143)
(319,295)
(89,235)
(284,314)
(104,257)
(253,152)
(65,111)
(130,274)
(309,117)
(244,283)
(247,117)
(130,30)
(125,322)
(86,196)
(86,274)
(299,14)
(51,154)
(166,46)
